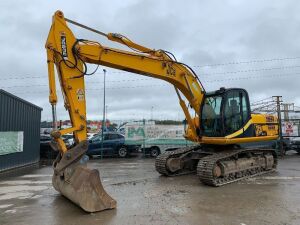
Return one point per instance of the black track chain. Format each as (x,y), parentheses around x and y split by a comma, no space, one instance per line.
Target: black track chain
(206,165)
(161,160)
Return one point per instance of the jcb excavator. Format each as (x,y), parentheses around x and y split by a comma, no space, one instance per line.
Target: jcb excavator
(221,121)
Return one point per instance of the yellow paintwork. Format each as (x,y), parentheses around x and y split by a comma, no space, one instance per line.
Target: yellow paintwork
(267,124)
(230,141)
(70,87)
(146,61)
(240,131)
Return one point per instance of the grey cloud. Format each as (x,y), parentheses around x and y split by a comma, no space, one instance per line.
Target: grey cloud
(197,32)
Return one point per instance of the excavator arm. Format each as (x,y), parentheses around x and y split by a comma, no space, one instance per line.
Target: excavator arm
(69,55)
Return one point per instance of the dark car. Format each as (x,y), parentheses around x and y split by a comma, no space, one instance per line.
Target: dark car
(152,151)
(46,152)
(295,145)
(113,144)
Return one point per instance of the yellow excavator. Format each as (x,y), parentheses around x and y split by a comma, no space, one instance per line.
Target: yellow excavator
(220,121)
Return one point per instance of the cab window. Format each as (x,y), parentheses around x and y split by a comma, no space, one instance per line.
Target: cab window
(236,112)
(211,116)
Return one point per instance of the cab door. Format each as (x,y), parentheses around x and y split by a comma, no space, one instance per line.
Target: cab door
(236,112)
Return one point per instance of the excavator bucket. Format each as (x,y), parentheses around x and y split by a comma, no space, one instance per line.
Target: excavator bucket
(79,184)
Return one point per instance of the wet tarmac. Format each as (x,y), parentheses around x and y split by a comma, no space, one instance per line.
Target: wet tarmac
(144,197)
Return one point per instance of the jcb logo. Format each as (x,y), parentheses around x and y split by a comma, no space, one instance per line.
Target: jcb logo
(170,70)
(63,42)
(135,132)
(269,119)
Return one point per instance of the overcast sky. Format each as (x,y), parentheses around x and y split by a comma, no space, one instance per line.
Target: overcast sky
(250,44)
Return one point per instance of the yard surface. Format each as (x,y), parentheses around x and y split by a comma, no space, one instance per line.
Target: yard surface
(145,197)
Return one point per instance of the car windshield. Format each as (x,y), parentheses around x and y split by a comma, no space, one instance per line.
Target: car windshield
(96,138)
(67,136)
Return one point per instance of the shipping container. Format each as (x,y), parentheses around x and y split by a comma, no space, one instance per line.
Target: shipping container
(19,132)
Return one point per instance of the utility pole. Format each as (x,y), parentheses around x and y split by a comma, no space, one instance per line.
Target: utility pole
(278,100)
(151,113)
(103,119)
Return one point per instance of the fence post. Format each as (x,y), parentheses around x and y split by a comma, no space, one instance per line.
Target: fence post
(144,136)
(278,100)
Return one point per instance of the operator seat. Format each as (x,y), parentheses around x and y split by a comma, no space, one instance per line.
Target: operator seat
(234,115)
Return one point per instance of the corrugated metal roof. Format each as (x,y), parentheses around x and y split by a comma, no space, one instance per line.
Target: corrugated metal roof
(19,99)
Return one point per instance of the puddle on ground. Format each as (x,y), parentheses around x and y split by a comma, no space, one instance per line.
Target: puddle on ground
(5,206)
(11,211)
(22,182)
(20,191)
(37,175)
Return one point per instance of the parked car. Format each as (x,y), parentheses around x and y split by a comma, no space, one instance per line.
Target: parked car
(153,151)
(68,139)
(90,135)
(295,145)
(113,144)
(46,152)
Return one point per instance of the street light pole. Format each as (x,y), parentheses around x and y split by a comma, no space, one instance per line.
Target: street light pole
(103,119)
(106,112)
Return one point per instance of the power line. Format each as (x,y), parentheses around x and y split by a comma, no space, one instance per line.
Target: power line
(94,82)
(262,100)
(249,62)
(266,106)
(261,104)
(118,81)
(208,81)
(26,86)
(39,77)
(97,89)
(129,87)
(23,78)
(252,77)
(199,66)
(252,70)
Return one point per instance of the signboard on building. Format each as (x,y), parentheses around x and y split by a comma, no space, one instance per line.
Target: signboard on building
(11,142)
(289,129)
(154,134)
(154,131)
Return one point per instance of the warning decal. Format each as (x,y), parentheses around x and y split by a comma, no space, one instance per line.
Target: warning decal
(80,94)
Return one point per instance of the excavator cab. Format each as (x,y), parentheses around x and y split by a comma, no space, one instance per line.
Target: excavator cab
(224,112)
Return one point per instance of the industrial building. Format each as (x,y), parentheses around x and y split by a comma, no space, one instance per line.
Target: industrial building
(19,132)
